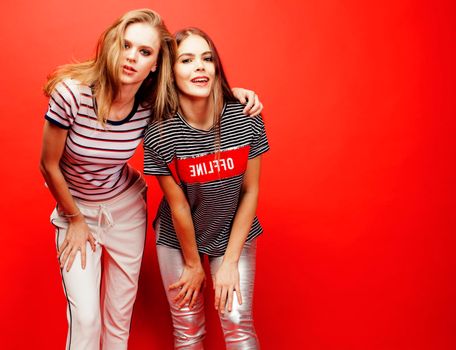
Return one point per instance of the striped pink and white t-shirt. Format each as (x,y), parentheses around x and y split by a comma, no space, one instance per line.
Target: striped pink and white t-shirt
(94,161)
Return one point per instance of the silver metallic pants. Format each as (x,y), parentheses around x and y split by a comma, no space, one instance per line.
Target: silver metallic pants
(237,325)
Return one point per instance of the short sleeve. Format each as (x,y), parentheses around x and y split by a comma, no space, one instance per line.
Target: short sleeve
(154,164)
(259,143)
(63,105)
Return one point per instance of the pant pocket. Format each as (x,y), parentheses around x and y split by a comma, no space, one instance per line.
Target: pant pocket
(57,220)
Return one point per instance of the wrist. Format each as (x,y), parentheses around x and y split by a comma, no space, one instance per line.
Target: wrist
(77,217)
(71,213)
(193,263)
(230,260)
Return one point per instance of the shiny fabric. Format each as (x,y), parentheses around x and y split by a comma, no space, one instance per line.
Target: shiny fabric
(101,297)
(237,325)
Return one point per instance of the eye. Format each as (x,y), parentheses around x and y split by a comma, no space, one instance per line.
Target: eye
(145,52)
(186,60)
(126,45)
(209,59)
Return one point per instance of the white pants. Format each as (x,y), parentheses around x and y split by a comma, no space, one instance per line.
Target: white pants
(189,328)
(100,319)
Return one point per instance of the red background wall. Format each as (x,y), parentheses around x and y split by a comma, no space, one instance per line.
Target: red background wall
(358,189)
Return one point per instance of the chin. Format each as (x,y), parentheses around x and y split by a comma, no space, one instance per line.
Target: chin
(199,94)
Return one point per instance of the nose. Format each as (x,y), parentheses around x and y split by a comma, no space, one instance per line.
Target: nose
(131,55)
(199,65)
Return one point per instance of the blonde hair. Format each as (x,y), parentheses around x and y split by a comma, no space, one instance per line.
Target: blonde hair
(102,73)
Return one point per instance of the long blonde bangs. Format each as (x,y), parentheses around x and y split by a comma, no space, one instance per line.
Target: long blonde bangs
(102,73)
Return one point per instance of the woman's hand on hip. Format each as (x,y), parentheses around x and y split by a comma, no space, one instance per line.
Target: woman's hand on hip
(226,282)
(78,234)
(190,284)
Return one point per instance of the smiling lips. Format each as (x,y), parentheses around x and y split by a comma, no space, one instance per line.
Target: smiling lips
(200,81)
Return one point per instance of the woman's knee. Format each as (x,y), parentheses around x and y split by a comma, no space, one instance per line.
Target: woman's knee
(188,325)
(239,330)
(87,322)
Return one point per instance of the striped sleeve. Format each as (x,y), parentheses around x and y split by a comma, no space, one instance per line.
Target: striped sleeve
(63,104)
(154,164)
(259,143)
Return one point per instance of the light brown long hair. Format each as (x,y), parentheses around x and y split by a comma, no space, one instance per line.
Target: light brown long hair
(102,73)
(221,91)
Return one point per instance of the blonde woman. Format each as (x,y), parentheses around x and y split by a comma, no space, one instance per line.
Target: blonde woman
(98,111)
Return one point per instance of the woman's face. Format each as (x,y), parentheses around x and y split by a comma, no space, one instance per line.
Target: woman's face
(194,70)
(141,47)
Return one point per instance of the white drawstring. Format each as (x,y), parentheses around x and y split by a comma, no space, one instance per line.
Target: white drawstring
(105,220)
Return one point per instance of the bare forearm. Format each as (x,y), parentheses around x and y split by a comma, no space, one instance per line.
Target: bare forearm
(54,140)
(59,188)
(241,225)
(182,218)
(78,233)
(185,232)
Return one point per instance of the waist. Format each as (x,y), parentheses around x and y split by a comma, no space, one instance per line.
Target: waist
(135,183)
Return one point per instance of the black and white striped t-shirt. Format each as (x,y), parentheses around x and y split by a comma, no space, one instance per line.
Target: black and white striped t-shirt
(211,182)
(94,161)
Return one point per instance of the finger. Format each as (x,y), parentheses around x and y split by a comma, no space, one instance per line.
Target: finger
(239,296)
(249,104)
(256,109)
(71,258)
(64,256)
(217,297)
(62,247)
(186,299)
(180,295)
(176,285)
(83,256)
(194,299)
(223,300)
(260,109)
(230,300)
(92,242)
(242,96)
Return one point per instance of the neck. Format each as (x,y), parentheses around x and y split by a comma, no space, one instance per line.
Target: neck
(126,94)
(123,103)
(198,112)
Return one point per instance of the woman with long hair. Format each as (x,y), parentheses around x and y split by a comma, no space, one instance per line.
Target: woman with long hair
(98,111)
(207,161)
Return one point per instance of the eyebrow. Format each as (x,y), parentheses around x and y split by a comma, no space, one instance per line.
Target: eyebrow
(193,55)
(141,46)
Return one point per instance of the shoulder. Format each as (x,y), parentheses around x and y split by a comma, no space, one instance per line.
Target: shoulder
(71,90)
(164,130)
(233,108)
(234,111)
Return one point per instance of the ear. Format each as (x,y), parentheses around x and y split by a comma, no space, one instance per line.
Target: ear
(154,68)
